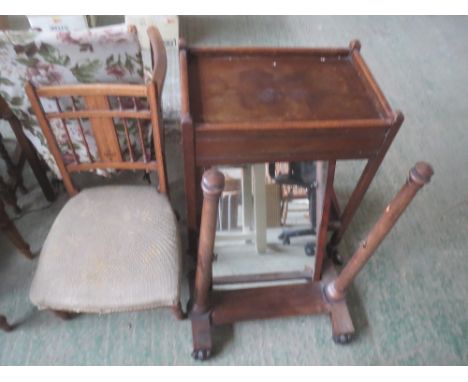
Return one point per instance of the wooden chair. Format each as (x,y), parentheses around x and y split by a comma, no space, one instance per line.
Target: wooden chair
(111,248)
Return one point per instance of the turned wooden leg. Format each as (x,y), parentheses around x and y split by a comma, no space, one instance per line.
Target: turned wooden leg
(420,175)
(7,226)
(4,325)
(212,186)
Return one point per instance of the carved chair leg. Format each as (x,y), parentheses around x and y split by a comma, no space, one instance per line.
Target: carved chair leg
(4,325)
(7,226)
(212,185)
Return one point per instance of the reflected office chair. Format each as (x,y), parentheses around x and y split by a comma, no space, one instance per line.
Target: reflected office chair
(302,174)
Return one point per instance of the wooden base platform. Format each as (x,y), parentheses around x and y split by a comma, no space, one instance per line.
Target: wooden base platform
(230,306)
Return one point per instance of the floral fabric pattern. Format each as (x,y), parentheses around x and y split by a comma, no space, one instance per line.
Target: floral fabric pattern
(99,55)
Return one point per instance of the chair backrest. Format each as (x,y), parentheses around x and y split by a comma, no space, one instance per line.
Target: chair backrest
(99,55)
(110,114)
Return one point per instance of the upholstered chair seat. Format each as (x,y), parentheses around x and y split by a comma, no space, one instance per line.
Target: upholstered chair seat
(111,248)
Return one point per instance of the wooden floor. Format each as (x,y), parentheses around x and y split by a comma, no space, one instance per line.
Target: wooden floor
(409,304)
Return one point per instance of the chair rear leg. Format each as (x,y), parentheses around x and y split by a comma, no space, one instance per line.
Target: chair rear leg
(7,226)
(4,325)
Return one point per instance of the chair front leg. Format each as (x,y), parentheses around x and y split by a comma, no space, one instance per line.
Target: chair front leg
(212,186)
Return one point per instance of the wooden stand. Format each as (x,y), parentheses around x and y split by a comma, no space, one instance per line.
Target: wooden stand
(248,105)
(317,296)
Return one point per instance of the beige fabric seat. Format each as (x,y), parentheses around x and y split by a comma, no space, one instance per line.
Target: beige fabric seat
(111,248)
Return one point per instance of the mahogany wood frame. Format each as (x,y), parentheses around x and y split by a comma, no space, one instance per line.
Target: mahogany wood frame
(210,143)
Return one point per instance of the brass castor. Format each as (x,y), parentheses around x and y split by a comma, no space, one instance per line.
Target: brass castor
(343,338)
(201,354)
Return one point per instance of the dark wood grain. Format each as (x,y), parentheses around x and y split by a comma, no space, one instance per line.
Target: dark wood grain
(242,88)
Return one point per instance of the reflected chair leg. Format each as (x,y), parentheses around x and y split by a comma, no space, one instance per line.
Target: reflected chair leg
(7,226)
(212,186)
(4,325)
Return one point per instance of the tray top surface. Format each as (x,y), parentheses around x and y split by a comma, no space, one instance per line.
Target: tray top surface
(234,88)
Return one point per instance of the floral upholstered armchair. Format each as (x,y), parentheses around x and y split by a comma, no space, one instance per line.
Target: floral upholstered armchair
(99,55)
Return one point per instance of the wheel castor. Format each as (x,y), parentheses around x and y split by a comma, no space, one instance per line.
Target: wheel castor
(310,249)
(343,338)
(201,354)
